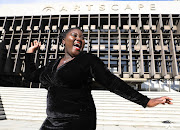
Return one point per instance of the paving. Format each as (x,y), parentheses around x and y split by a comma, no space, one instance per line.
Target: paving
(35,125)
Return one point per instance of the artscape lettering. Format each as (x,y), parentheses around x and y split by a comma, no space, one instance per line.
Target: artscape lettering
(102,7)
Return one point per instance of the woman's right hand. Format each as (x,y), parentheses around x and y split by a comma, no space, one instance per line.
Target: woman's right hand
(162,100)
(34,46)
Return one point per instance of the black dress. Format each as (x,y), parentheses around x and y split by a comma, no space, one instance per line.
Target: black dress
(70,105)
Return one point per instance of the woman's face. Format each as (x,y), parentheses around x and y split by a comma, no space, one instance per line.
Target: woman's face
(74,42)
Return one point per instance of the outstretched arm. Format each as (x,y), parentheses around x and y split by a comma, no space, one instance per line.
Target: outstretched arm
(119,87)
(31,72)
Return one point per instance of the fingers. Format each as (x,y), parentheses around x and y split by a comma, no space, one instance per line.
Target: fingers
(35,44)
(166,99)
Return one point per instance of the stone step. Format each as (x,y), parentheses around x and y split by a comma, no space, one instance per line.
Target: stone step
(137,119)
(142,123)
(138,112)
(24,117)
(131,108)
(1,109)
(142,115)
(2,117)
(25,95)
(23,107)
(2,113)
(37,114)
(15,103)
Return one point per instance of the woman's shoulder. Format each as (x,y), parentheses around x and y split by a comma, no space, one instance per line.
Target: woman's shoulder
(51,64)
(90,58)
(89,55)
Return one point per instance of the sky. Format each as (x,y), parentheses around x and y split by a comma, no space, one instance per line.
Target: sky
(52,1)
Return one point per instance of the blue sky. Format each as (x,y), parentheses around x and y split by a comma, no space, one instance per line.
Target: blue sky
(52,1)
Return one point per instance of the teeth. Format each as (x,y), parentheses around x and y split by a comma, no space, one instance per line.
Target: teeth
(77,45)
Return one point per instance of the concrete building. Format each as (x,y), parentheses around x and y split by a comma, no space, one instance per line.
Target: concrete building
(138,41)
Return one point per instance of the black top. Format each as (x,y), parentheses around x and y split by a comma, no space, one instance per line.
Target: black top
(68,86)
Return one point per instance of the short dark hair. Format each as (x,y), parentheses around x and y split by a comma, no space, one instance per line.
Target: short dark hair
(64,33)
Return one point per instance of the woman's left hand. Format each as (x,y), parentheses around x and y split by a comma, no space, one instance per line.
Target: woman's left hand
(162,100)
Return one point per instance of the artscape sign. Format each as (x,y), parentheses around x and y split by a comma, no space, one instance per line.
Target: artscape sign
(102,7)
(98,7)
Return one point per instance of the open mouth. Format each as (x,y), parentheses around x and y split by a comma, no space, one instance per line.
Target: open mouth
(77,45)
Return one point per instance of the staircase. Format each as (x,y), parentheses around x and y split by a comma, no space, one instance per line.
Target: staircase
(2,113)
(30,104)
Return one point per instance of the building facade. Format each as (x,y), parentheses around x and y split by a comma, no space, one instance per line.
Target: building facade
(136,40)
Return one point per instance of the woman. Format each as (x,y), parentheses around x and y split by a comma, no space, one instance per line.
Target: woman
(70,105)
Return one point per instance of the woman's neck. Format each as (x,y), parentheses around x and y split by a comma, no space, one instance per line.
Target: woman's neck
(67,57)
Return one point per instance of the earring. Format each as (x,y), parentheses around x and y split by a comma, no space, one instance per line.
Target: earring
(62,45)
